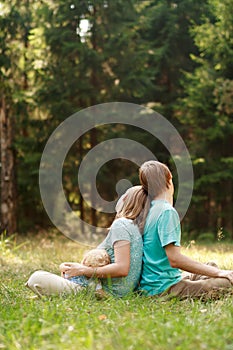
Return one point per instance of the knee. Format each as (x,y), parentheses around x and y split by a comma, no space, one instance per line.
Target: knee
(36,281)
(34,278)
(216,283)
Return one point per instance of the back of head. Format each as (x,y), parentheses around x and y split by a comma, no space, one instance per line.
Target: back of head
(134,204)
(154,177)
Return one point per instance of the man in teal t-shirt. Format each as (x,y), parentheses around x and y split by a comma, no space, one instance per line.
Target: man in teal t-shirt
(162,228)
(162,257)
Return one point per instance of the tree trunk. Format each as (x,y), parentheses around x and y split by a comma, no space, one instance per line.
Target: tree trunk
(227,220)
(94,221)
(93,132)
(212,213)
(8,219)
(81,206)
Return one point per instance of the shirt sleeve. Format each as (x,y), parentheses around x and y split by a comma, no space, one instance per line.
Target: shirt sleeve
(119,231)
(169,228)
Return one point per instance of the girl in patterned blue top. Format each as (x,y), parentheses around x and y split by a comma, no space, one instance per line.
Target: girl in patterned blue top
(124,246)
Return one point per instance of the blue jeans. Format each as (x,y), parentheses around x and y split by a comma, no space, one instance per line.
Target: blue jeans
(82,280)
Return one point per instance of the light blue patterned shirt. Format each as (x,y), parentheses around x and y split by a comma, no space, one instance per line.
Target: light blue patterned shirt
(123,229)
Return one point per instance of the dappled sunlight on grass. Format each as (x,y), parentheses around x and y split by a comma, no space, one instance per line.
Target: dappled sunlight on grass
(82,322)
(41,252)
(47,250)
(220,253)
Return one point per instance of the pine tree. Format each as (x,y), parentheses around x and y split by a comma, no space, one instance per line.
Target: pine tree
(207,114)
(106,61)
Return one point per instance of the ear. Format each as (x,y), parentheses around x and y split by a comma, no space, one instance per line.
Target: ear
(171,186)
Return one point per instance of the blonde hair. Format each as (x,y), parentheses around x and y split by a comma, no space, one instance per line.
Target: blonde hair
(135,205)
(154,177)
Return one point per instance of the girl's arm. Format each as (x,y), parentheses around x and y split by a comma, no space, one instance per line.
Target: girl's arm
(120,268)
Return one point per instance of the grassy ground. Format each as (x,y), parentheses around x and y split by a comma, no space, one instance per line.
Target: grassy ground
(82,322)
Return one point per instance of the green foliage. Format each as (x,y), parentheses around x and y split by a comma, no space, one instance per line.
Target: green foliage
(171,46)
(174,56)
(8,246)
(207,115)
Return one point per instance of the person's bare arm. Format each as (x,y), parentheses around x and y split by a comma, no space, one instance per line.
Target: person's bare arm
(120,268)
(178,260)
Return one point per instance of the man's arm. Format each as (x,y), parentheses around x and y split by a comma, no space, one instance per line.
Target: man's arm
(180,261)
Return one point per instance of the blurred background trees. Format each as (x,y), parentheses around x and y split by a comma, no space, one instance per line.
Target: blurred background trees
(57,58)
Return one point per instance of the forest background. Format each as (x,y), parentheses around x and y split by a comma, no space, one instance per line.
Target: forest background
(58,57)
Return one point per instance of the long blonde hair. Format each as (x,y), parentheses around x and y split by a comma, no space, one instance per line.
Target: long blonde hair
(134,205)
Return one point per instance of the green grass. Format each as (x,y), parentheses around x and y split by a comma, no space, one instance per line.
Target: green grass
(82,322)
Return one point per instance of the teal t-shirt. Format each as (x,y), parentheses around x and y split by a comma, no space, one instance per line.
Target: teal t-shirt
(162,228)
(123,229)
